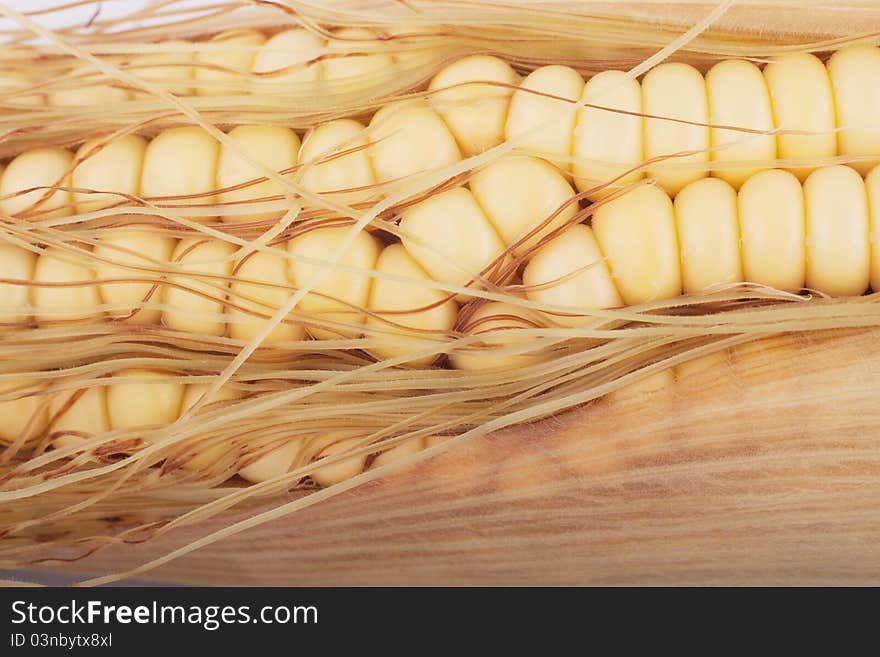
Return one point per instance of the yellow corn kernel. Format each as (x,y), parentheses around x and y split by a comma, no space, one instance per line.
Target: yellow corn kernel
(708,235)
(838,243)
(474,109)
(484,355)
(607,144)
(546,98)
(355,63)
(407,448)
(519,194)
(207,457)
(407,313)
(637,233)
(77,300)
(197,308)
(451,238)
(143,398)
(120,254)
(24,414)
(114,168)
(272,146)
(771,219)
(288,57)
(194,392)
(16,263)
(98,96)
(738,97)
(40,167)
(181,162)
(338,173)
(347,468)
(270,269)
(872,183)
(78,412)
(571,272)
(87,92)
(802,100)
(405,37)
(225,71)
(855,77)
(12,84)
(273,464)
(676,91)
(340,294)
(171,71)
(409,138)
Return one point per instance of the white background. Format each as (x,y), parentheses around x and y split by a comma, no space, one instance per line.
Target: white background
(81,15)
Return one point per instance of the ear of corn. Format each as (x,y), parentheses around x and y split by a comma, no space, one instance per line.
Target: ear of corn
(641,247)
(487,239)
